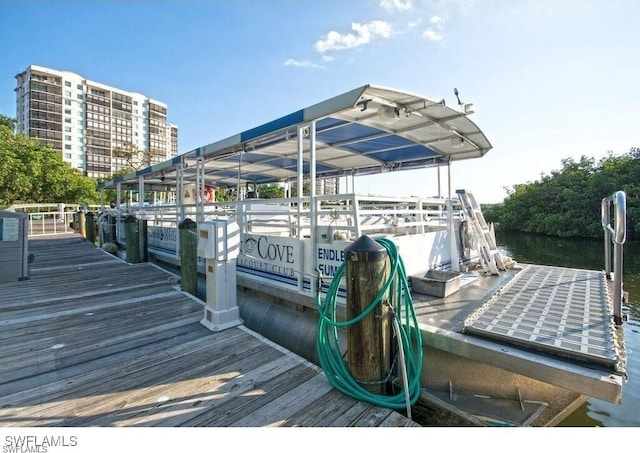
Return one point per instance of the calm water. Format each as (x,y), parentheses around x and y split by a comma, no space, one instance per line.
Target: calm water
(590,255)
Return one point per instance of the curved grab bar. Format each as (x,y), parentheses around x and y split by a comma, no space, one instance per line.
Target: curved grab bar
(619,200)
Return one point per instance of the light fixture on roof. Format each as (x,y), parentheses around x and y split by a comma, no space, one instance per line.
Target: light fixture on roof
(466,107)
(386,113)
(457,142)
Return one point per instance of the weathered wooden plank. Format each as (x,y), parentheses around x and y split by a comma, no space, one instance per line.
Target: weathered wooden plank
(230,412)
(186,375)
(54,356)
(228,390)
(163,405)
(91,316)
(394,419)
(88,378)
(107,382)
(22,391)
(276,412)
(347,417)
(333,404)
(84,287)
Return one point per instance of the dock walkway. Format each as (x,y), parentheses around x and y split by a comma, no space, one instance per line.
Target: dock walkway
(90,340)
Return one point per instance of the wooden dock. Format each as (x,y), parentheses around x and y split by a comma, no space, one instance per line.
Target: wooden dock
(90,340)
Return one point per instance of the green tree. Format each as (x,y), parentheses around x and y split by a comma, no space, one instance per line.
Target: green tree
(32,173)
(271,191)
(567,202)
(13,180)
(111,195)
(8,122)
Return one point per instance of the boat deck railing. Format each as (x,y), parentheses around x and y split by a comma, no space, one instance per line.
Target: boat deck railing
(344,216)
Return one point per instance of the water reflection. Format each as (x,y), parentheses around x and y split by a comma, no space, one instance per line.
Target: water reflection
(589,254)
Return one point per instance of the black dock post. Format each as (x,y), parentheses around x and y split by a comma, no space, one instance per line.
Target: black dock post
(188,256)
(91,227)
(132,239)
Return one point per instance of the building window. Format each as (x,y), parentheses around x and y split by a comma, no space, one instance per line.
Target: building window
(79,86)
(80,96)
(79,122)
(67,156)
(67,111)
(67,128)
(67,84)
(67,137)
(67,93)
(67,120)
(67,102)
(67,146)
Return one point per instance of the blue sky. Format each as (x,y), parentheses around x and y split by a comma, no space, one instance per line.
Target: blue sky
(549,79)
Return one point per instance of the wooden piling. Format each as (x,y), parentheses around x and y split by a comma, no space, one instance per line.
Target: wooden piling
(368,341)
(82,224)
(131,235)
(91,227)
(188,256)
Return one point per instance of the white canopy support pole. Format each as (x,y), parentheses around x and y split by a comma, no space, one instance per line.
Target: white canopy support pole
(242,151)
(180,192)
(141,194)
(440,192)
(455,264)
(118,210)
(314,207)
(200,189)
(299,194)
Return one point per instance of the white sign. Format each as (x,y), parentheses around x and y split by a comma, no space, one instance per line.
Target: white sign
(162,238)
(9,230)
(272,257)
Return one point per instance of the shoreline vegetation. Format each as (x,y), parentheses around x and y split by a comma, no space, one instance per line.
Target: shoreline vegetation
(567,202)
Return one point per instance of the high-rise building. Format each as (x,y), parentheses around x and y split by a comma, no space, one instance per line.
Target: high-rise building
(330,186)
(98,128)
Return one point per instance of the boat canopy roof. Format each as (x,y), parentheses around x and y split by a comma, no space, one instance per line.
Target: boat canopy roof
(370,129)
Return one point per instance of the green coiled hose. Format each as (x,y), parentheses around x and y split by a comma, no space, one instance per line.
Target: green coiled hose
(405,327)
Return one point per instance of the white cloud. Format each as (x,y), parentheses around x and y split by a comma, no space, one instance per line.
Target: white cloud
(364,34)
(396,5)
(436,20)
(301,64)
(327,58)
(415,23)
(432,35)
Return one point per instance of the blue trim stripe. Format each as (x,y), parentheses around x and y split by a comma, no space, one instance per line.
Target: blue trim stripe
(270,275)
(273,126)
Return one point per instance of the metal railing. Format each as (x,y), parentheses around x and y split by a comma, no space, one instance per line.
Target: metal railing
(616,235)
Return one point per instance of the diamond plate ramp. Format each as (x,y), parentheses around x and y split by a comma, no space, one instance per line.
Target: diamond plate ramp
(557,310)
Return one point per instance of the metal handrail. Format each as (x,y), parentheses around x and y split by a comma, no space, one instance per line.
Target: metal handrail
(618,236)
